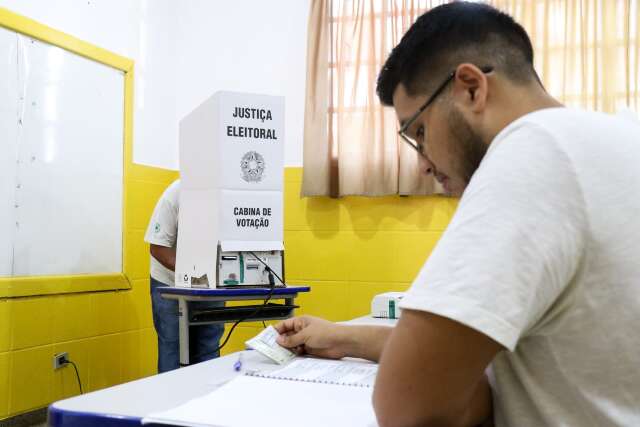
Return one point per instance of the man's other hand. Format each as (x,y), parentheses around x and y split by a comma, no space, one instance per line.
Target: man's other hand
(313,336)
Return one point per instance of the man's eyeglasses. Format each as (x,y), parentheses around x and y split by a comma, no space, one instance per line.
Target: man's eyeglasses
(418,146)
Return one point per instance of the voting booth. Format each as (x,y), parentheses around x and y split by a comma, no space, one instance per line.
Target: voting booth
(231,206)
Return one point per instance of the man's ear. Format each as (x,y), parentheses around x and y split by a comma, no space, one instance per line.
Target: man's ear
(470,88)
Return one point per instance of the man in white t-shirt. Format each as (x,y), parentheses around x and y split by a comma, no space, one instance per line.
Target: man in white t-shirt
(538,274)
(162,235)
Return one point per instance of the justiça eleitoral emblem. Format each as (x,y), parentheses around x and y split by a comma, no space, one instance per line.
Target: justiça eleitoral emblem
(252,166)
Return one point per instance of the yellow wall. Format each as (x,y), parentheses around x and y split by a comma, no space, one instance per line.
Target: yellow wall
(348,250)
(109,335)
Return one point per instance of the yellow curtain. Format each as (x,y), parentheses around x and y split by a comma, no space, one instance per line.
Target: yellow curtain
(586,52)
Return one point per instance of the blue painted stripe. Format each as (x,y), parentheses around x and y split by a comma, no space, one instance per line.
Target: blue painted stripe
(61,418)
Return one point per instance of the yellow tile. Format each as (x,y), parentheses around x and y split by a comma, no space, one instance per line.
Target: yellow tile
(270,322)
(105,361)
(360,294)
(294,207)
(136,256)
(326,299)
(6,319)
(72,317)
(31,379)
(374,257)
(436,212)
(107,312)
(314,255)
(324,213)
(148,352)
(413,250)
(137,306)
(377,213)
(65,382)
(152,174)
(391,256)
(32,322)
(295,187)
(395,213)
(317,213)
(142,197)
(131,356)
(4,384)
(293,174)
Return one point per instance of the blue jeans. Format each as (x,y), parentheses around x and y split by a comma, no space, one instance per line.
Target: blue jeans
(203,339)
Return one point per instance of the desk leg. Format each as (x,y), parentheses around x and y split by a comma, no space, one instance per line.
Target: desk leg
(183,329)
(289,301)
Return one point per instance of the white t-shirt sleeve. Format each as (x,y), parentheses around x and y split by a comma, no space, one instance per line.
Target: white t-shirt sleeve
(514,243)
(163,226)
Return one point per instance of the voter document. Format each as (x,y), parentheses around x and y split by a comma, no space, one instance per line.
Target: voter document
(337,372)
(265,343)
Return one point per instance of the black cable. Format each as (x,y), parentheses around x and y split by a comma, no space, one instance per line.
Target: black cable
(272,286)
(268,268)
(77,375)
(264,325)
(242,319)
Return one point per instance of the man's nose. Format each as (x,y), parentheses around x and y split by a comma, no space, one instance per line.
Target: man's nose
(425,164)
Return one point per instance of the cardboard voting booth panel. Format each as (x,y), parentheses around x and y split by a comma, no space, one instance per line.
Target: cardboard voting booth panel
(252,129)
(231,205)
(251,215)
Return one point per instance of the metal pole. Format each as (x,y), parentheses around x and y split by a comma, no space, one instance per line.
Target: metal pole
(183,329)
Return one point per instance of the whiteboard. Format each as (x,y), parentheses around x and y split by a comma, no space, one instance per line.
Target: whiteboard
(61,168)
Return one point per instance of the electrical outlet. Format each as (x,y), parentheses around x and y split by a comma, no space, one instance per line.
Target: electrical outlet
(60,359)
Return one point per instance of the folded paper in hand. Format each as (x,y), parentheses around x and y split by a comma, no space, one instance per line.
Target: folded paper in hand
(265,343)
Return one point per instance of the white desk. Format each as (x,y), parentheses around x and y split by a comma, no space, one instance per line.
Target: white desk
(126,404)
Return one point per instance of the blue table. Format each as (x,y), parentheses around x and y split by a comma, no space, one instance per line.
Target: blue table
(184,295)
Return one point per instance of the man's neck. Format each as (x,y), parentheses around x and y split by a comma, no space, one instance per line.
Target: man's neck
(518,102)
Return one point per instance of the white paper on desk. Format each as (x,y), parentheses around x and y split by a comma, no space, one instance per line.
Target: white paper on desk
(248,401)
(339,372)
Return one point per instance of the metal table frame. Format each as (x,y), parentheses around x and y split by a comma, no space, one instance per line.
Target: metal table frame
(184,295)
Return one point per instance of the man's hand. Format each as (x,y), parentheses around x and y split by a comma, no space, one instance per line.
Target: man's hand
(314,336)
(319,337)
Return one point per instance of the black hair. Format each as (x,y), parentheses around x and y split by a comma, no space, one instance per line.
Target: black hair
(451,34)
